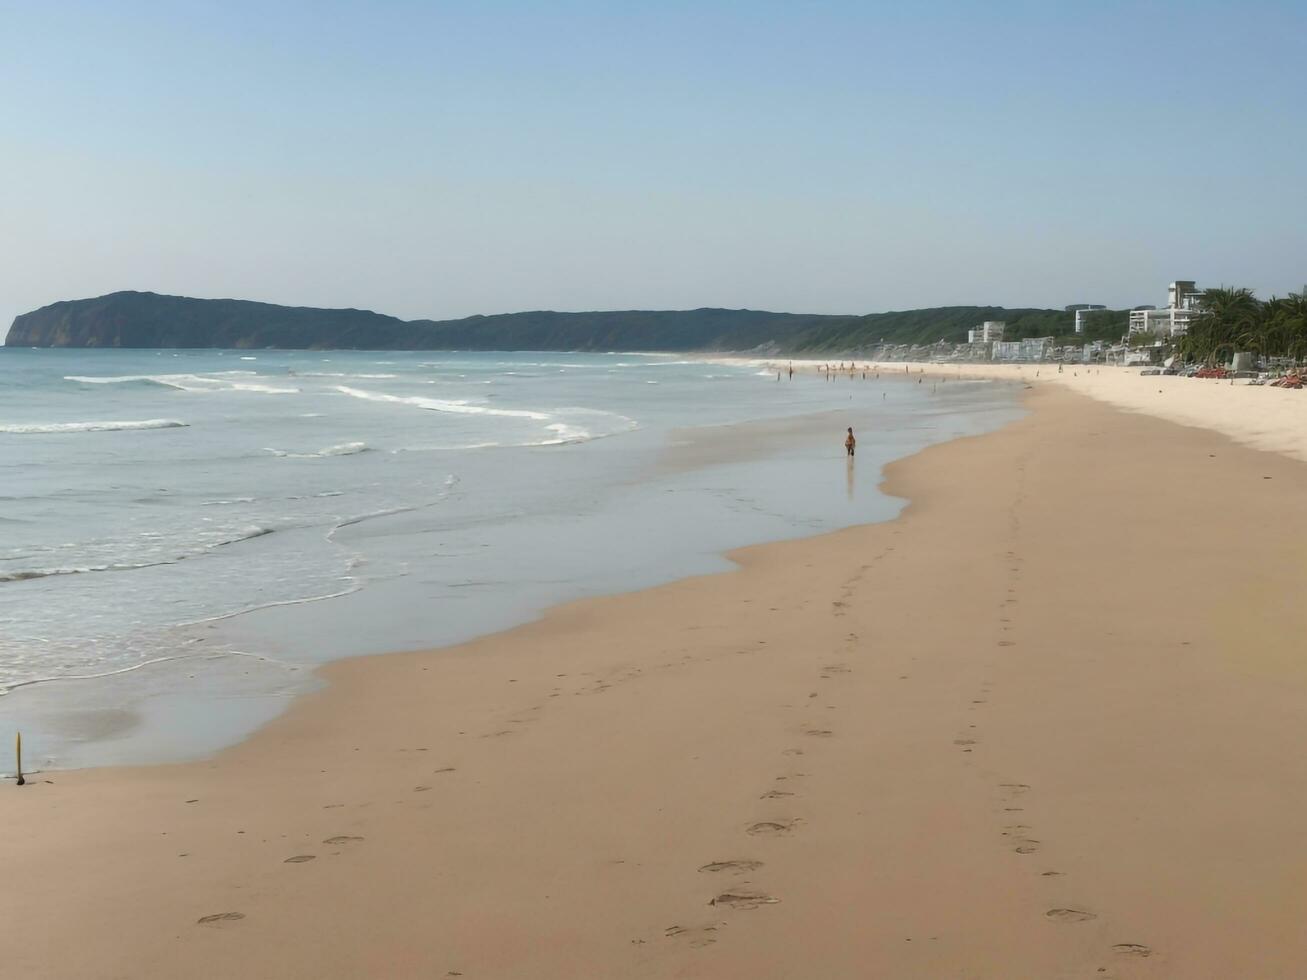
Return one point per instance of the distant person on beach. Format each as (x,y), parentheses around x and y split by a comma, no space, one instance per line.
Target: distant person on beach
(850,443)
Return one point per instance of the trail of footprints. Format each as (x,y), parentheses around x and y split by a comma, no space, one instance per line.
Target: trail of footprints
(1017,835)
(740,893)
(340,843)
(218,918)
(744,895)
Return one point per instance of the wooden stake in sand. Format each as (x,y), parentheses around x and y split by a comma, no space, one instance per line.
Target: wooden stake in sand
(18,753)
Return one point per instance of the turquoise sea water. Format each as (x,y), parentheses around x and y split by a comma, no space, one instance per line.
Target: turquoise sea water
(183,534)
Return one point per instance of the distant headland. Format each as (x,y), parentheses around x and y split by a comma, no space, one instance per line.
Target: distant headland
(132,319)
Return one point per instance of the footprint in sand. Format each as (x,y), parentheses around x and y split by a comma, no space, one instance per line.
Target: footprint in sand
(205,920)
(342,839)
(734,867)
(964,741)
(1132,949)
(1069,915)
(770,828)
(299,859)
(698,936)
(1021,843)
(818,732)
(743,899)
(774,794)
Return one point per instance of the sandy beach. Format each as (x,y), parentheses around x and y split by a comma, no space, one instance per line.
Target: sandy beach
(1252,415)
(1045,724)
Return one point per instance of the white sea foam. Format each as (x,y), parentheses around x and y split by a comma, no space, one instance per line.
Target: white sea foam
(454,447)
(440,404)
(13,686)
(40,428)
(342,449)
(344,374)
(566,433)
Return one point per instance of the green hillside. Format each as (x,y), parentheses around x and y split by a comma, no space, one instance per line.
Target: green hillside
(150,320)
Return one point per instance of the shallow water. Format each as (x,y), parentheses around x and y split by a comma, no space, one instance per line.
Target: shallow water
(183,534)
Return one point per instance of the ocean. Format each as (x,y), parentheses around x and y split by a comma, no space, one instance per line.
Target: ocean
(185,534)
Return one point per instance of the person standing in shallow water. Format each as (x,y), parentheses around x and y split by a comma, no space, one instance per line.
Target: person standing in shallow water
(850,443)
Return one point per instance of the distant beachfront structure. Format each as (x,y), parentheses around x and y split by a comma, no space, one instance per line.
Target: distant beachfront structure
(1029,349)
(987,333)
(1183,301)
(1006,350)
(1080,309)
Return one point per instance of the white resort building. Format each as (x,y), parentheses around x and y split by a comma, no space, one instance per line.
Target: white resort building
(1080,310)
(1028,349)
(1183,300)
(987,333)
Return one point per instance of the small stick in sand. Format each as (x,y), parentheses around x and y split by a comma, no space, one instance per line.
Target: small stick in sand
(18,752)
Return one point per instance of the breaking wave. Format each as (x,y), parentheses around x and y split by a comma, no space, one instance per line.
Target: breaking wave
(188,382)
(441,405)
(343,449)
(26,575)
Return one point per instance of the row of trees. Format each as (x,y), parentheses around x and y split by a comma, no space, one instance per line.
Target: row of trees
(1236,320)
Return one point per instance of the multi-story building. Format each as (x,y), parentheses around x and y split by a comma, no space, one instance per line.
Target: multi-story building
(1183,301)
(1009,350)
(987,332)
(1035,348)
(1080,309)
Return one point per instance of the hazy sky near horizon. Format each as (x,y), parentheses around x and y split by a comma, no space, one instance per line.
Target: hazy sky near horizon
(441,159)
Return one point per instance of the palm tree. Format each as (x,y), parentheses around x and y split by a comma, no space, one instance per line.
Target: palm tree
(1293,320)
(1266,334)
(1228,317)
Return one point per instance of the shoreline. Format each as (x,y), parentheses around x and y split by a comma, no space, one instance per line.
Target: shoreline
(568,797)
(257,660)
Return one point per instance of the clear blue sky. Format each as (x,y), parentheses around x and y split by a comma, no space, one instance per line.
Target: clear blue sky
(429,159)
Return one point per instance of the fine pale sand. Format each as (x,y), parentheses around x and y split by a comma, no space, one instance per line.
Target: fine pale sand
(1260,416)
(1048,724)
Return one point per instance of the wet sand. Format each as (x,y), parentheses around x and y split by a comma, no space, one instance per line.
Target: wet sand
(1045,724)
